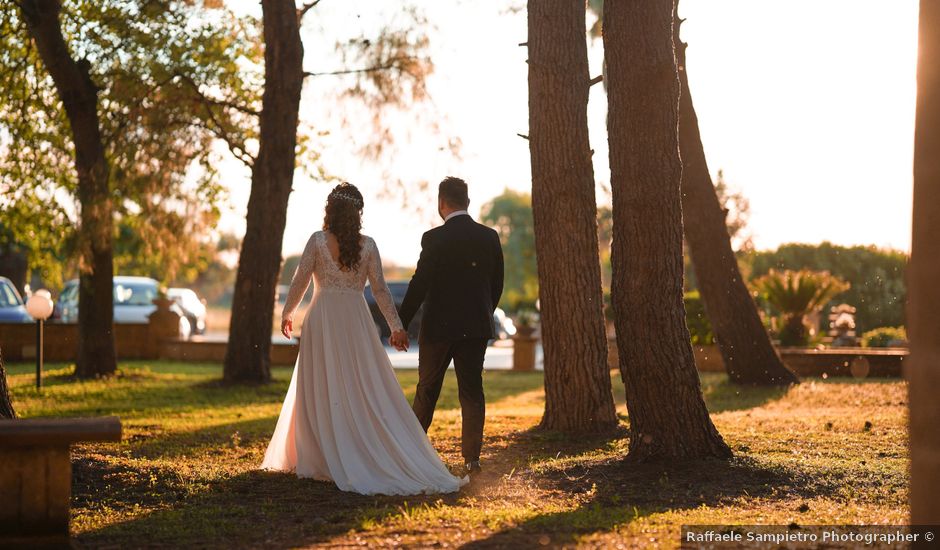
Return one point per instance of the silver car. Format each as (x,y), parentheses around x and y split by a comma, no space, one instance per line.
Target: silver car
(192,306)
(133,302)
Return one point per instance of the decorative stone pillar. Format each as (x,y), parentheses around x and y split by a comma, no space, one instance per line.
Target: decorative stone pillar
(164,325)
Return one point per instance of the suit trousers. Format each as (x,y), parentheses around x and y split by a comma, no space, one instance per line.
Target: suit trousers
(433,360)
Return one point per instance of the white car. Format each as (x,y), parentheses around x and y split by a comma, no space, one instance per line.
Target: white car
(133,302)
(193,307)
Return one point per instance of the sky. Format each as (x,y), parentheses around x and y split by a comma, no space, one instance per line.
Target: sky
(806,105)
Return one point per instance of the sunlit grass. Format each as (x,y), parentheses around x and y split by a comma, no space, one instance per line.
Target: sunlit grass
(185,473)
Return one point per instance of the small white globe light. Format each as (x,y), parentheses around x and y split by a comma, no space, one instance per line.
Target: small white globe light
(39,305)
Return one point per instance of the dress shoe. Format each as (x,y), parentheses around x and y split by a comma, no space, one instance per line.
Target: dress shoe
(472,468)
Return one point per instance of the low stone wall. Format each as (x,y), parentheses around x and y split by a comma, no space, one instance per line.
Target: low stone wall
(18,341)
(854,362)
(198,351)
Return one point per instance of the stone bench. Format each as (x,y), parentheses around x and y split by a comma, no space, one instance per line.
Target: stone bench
(36,475)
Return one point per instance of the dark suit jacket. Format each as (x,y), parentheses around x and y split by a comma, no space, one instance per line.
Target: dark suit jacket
(459,279)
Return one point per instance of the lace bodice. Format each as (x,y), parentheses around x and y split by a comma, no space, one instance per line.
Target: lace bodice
(318,263)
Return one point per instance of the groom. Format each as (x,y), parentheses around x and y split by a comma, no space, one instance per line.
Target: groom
(459,279)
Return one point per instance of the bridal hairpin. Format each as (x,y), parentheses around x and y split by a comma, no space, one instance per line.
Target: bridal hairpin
(345,197)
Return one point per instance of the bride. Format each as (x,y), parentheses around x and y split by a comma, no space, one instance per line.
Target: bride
(345,417)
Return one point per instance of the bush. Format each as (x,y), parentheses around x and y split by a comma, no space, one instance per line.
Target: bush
(885,337)
(876,276)
(696,319)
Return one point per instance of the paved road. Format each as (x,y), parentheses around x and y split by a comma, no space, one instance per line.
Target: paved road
(498,356)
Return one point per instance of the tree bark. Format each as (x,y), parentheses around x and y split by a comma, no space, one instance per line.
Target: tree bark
(79,95)
(924,272)
(6,404)
(247,358)
(745,346)
(578,393)
(668,417)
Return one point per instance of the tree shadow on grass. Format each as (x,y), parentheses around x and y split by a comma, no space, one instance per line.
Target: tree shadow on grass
(722,395)
(621,492)
(256,508)
(250,509)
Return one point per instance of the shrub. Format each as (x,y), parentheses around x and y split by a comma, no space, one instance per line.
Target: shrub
(696,319)
(885,337)
(793,295)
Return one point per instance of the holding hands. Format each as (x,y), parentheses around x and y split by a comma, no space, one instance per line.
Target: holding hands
(399,340)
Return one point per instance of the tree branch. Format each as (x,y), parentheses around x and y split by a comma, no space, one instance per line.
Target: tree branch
(218,102)
(595,80)
(306,7)
(393,64)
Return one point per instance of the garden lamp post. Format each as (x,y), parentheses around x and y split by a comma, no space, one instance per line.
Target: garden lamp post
(39,307)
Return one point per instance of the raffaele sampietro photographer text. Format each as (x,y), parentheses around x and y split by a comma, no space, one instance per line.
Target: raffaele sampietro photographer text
(808,536)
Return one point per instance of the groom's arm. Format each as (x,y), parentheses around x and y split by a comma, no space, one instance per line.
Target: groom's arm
(418,287)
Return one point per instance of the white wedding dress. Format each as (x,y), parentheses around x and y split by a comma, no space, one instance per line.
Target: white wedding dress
(345,417)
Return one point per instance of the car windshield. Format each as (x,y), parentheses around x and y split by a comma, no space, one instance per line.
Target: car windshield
(8,297)
(134,294)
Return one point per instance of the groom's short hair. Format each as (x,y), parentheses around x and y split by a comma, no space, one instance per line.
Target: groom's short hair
(454,192)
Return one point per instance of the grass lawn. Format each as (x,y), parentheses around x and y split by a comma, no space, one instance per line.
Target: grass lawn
(824,452)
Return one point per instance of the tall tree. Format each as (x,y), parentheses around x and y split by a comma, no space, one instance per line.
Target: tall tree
(105,118)
(745,346)
(79,96)
(391,76)
(247,357)
(564,207)
(668,417)
(6,404)
(924,272)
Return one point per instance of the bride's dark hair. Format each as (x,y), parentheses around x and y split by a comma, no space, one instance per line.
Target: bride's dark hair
(344,220)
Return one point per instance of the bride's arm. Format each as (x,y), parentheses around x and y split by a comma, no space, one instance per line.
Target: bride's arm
(380,290)
(301,280)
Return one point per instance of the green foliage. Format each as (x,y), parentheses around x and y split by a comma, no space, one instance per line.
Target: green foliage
(795,294)
(511,215)
(876,276)
(884,337)
(173,75)
(697,320)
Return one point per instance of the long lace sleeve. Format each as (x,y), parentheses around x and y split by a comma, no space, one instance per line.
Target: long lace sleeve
(301,280)
(383,298)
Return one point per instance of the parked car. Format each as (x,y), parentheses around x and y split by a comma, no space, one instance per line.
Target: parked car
(505,328)
(133,302)
(192,306)
(12,309)
(397,290)
(503,324)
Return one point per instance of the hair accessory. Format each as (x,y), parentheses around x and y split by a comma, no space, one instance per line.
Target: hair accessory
(339,195)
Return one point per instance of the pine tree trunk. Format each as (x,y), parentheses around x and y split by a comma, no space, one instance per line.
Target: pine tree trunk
(6,404)
(745,346)
(923,312)
(578,393)
(668,418)
(79,95)
(247,358)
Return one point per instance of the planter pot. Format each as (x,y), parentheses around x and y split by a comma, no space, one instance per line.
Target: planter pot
(523,352)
